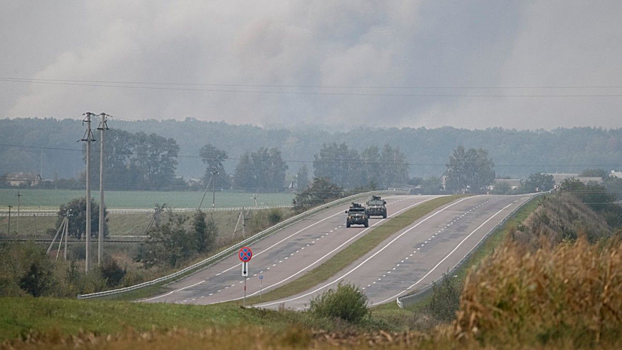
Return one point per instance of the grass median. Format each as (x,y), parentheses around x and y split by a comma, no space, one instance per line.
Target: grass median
(354,251)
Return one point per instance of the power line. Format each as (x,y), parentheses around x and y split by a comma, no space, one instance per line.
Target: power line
(317,93)
(313,86)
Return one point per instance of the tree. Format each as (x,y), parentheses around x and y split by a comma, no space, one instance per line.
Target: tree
(372,166)
(204,231)
(394,168)
(469,171)
(167,244)
(119,174)
(261,171)
(502,188)
(539,182)
(39,278)
(431,185)
(155,158)
(75,211)
(339,164)
(320,192)
(302,178)
(214,158)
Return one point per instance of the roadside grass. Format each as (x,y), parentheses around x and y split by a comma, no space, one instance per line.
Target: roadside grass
(20,316)
(353,252)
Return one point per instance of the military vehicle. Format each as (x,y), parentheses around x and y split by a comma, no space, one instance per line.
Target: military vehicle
(377,206)
(357,215)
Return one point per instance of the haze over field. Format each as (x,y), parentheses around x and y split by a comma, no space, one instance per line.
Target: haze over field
(293,63)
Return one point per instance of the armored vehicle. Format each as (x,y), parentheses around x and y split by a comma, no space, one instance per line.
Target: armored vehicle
(377,206)
(357,215)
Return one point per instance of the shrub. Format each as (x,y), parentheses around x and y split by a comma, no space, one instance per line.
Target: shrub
(38,280)
(275,216)
(347,302)
(571,292)
(111,272)
(445,299)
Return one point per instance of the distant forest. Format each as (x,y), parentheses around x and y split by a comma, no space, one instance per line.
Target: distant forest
(51,145)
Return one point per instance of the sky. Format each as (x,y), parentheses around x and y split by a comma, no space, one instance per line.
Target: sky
(399,63)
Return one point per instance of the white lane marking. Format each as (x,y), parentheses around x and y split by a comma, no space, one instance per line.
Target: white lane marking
(171,292)
(446,256)
(343,244)
(270,247)
(369,258)
(259,253)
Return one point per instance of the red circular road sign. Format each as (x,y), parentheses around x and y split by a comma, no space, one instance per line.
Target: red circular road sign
(245,254)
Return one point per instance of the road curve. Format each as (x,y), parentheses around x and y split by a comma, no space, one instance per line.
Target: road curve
(416,256)
(279,258)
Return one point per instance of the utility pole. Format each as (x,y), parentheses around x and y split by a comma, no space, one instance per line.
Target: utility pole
(88,138)
(103,126)
(214,173)
(9,228)
(41,162)
(19,204)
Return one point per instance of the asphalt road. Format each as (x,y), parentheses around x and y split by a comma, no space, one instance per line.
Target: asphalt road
(418,255)
(279,258)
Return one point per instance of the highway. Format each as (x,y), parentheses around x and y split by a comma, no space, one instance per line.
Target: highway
(410,259)
(419,254)
(279,258)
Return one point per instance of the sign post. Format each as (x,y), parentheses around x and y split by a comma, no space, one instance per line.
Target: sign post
(245,254)
(260,286)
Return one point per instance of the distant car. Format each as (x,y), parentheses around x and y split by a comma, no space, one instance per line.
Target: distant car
(376,206)
(357,215)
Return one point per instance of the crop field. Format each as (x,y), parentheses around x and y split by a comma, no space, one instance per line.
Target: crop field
(52,199)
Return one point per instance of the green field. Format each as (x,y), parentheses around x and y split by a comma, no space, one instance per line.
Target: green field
(51,199)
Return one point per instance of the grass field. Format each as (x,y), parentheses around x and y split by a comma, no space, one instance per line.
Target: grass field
(52,199)
(120,224)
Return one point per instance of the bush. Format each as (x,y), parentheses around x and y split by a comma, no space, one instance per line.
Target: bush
(347,302)
(111,272)
(275,216)
(445,299)
(38,280)
(571,292)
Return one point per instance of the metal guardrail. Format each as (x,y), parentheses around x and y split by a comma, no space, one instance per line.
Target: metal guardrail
(231,250)
(410,299)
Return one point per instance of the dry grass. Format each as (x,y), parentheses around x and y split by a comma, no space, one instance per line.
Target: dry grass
(571,292)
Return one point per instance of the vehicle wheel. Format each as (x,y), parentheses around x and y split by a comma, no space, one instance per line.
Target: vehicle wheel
(347,224)
(384,216)
(366,223)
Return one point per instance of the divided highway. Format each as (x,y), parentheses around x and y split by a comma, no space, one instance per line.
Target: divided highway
(279,258)
(419,254)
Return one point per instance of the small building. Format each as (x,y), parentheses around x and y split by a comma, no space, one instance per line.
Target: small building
(617,174)
(561,177)
(22,179)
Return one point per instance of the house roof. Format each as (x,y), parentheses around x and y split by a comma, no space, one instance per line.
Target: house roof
(21,176)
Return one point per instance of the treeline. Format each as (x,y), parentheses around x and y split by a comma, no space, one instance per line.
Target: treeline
(517,154)
(136,161)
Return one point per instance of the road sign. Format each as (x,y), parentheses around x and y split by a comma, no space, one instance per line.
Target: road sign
(245,254)
(244,269)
